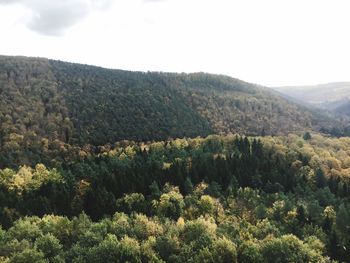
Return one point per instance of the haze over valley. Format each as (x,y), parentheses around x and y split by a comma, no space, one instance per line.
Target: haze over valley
(334,97)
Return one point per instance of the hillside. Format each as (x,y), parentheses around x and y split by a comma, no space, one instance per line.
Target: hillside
(334,97)
(46,105)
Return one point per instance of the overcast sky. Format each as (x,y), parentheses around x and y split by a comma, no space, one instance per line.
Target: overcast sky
(269,42)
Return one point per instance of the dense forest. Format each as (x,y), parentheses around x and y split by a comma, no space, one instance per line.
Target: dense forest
(100,165)
(46,104)
(218,199)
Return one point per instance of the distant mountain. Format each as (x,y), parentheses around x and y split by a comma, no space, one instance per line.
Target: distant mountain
(47,104)
(334,97)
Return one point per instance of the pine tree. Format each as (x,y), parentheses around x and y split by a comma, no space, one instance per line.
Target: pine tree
(320,178)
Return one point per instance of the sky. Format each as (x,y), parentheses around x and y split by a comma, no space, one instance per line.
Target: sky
(268,42)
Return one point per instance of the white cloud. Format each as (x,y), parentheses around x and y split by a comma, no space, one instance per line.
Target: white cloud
(53,17)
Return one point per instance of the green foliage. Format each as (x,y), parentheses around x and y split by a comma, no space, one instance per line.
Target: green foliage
(249,252)
(49,245)
(221,198)
(134,202)
(206,205)
(199,233)
(289,248)
(106,251)
(28,256)
(170,204)
(222,250)
(199,240)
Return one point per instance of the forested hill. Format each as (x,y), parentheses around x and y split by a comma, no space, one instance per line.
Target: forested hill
(46,103)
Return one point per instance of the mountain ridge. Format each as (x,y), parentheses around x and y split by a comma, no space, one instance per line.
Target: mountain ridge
(48,103)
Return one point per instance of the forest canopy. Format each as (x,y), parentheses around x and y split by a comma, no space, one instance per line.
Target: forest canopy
(216,199)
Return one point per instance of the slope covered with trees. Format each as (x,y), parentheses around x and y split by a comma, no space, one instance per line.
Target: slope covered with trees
(46,104)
